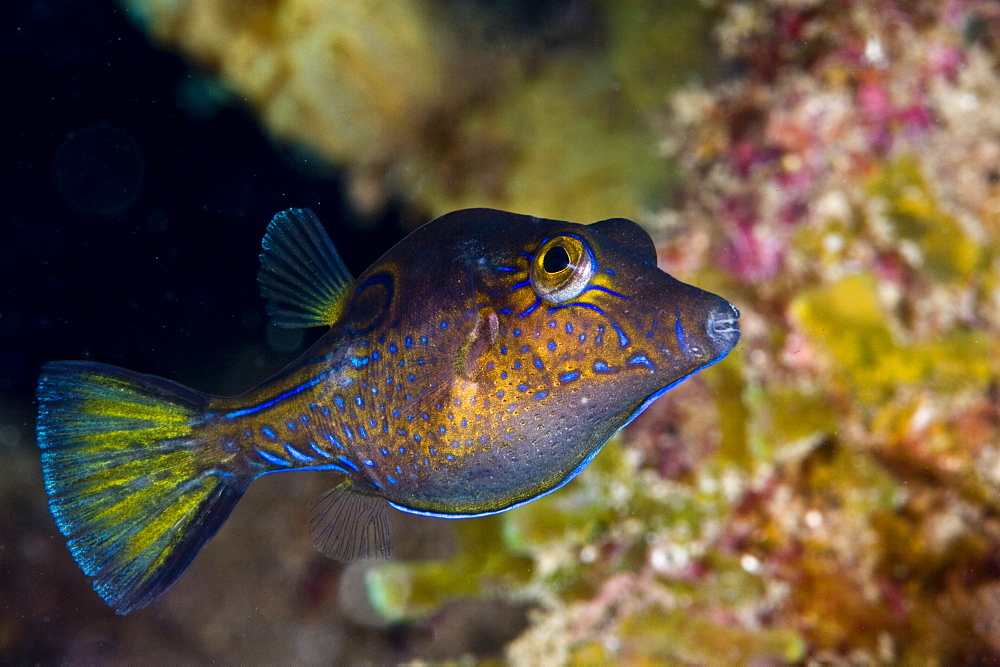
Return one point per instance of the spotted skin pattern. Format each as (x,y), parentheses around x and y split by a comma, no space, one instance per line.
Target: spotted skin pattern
(390,398)
(478,365)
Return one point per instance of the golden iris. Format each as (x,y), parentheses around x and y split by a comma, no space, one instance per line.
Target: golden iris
(562,269)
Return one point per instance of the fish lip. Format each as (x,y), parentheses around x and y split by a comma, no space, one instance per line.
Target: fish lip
(723,326)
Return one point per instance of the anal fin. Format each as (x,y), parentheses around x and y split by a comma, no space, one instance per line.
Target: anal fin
(347,525)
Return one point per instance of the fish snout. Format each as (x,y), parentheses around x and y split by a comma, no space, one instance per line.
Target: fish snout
(723,327)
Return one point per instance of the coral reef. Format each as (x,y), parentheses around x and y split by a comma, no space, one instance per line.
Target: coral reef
(543,110)
(831,490)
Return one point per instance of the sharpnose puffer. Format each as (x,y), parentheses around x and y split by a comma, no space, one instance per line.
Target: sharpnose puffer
(478,365)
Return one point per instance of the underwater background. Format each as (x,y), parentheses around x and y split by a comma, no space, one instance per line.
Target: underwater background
(829,492)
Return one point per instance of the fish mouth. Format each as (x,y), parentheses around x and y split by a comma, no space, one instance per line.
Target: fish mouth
(723,329)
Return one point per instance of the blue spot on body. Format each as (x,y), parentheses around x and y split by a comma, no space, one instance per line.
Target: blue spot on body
(622,338)
(679,330)
(540,395)
(271,458)
(319,451)
(539,364)
(601,367)
(369,463)
(335,442)
(569,328)
(531,308)
(268,432)
(522,387)
(296,454)
(640,359)
(362,432)
(385,452)
(569,377)
(390,479)
(348,462)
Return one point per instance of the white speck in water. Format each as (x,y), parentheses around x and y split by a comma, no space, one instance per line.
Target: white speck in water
(814,519)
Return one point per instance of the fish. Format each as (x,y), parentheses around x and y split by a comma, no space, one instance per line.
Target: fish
(478,365)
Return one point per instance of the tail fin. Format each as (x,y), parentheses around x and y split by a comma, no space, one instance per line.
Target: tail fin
(131,485)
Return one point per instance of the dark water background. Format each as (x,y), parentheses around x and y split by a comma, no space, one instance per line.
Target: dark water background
(133,210)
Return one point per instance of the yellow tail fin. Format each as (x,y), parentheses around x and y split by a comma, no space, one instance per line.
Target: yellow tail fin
(131,485)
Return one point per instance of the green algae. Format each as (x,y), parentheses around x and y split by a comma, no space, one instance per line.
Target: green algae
(846,321)
(482,565)
(682,635)
(915,215)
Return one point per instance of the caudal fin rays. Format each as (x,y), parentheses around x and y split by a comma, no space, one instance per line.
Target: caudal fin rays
(131,484)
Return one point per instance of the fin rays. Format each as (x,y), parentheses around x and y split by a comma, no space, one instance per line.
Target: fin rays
(347,526)
(130,483)
(301,275)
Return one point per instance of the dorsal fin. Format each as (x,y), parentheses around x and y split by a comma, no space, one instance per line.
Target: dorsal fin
(304,280)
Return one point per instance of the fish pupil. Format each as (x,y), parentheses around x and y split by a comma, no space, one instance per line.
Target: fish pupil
(555,259)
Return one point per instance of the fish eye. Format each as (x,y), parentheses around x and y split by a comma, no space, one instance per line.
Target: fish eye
(555,259)
(562,269)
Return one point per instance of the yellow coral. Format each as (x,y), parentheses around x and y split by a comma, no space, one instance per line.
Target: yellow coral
(398,92)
